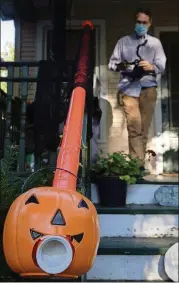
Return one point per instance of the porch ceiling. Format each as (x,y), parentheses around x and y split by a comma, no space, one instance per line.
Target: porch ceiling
(26,9)
(14,8)
(122,1)
(7,10)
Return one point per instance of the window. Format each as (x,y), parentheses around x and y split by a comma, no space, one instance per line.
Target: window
(171,47)
(170,100)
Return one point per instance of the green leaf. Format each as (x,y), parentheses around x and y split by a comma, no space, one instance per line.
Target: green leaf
(118,164)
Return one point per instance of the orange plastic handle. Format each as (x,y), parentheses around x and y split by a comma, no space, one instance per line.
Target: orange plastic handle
(68,158)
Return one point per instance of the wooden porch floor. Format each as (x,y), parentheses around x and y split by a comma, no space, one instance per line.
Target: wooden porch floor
(165,178)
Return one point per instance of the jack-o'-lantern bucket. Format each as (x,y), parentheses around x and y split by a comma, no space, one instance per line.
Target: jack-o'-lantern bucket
(51,232)
(54,231)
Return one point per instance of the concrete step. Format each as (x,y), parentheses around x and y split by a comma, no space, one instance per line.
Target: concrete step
(136,194)
(150,221)
(131,259)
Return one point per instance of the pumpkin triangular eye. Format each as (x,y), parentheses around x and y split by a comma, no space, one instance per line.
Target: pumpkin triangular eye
(35,235)
(83,204)
(32,199)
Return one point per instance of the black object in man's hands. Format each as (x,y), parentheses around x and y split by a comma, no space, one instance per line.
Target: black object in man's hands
(121,66)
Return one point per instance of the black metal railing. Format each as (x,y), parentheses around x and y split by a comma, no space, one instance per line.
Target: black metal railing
(18,79)
(2,120)
(22,79)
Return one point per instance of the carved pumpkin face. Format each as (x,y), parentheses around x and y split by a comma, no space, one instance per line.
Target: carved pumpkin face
(43,212)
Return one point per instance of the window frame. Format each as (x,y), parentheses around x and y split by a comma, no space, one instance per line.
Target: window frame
(160,136)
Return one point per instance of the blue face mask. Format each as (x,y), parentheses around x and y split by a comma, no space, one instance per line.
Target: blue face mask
(141,29)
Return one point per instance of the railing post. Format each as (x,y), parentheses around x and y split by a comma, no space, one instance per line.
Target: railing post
(7,139)
(23,120)
(83,153)
(88,169)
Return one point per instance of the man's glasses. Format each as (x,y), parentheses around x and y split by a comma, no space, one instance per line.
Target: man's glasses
(142,22)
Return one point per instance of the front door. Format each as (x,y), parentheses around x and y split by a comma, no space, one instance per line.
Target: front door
(170,101)
(73,41)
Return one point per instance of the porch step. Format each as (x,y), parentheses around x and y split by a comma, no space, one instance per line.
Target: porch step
(138,209)
(131,259)
(150,221)
(135,246)
(164,179)
(136,194)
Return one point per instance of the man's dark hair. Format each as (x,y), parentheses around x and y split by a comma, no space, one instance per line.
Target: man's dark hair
(143,11)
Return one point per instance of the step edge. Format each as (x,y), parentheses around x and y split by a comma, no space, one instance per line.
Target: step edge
(132,251)
(145,182)
(140,250)
(138,210)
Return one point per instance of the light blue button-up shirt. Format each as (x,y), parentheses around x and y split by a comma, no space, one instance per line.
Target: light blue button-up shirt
(152,52)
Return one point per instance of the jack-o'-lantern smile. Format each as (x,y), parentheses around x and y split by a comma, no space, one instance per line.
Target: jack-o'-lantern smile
(36,235)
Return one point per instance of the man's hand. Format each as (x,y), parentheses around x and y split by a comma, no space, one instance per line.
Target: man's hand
(146,65)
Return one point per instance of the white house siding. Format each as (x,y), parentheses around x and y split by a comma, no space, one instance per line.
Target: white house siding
(119,22)
(28,51)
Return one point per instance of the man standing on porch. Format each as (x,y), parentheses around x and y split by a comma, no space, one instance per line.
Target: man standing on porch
(138,92)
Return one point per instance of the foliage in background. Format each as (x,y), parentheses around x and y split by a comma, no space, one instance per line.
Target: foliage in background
(7,55)
(118,164)
(12,185)
(40,178)
(43,177)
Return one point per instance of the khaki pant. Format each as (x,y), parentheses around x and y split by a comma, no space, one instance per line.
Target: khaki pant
(139,113)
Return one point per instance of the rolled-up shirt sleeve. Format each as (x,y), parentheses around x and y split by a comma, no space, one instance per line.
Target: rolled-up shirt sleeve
(159,59)
(116,56)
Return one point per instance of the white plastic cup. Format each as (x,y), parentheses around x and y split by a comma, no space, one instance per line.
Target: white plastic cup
(54,254)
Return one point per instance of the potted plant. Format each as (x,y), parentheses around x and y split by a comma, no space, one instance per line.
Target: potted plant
(112,173)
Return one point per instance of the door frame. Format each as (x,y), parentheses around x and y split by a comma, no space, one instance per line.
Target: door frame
(160,136)
(101,58)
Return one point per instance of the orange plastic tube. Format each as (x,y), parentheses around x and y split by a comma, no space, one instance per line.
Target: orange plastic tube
(68,157)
